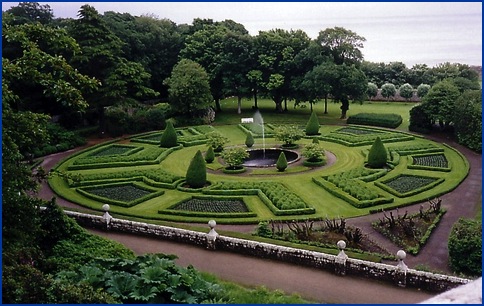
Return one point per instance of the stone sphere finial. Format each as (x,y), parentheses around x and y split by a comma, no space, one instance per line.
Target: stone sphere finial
(106,207)
(341,244)
(401,254)
(212,223)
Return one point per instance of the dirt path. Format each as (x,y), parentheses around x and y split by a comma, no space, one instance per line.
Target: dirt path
(314,284)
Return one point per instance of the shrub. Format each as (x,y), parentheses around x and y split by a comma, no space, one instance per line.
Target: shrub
(249,140)
(420,121)
(169,137)
(315,140)
(465,247)
(288,134)
(312,127)
(196,176)
(377,157)
(313,152)
(216,141)
(234,157)
(210,155)
(383,120)
(281,164)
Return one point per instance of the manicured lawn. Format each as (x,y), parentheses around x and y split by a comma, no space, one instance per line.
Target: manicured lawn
(296,179)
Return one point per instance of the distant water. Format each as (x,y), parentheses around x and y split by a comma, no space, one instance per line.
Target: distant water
(413,40)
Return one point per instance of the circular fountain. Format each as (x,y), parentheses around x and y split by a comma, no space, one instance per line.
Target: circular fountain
(268,157)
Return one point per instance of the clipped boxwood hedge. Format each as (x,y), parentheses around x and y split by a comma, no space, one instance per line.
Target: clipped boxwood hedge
(382,120)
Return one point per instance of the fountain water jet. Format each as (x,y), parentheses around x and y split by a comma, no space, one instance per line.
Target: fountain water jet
(259,120)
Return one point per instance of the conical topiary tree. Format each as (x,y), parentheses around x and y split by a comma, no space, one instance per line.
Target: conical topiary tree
(281,163)
(312,127)
(249,140)
(377,157)
(196,176)
(169,137)
(209,155)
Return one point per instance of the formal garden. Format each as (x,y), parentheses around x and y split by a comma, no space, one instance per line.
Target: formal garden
(139,178)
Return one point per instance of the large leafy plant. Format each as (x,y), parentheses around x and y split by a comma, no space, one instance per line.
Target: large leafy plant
(151,278)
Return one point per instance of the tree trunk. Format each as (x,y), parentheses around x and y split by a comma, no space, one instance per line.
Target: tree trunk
(217,105)
(326,104)
(255,99)
(239,104)
(285,104)
(345,106)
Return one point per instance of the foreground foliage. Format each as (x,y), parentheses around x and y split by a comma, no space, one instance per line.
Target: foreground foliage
(465,247)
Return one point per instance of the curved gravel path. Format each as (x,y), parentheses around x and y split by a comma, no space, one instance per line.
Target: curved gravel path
(317,285)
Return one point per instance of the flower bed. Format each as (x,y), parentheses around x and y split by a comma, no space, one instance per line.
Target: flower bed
(115,149)
(355,136)
(432,162)
(406,185)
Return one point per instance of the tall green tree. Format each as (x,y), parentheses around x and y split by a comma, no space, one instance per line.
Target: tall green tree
(342,45)
(388,90)
(31,12)
(189,89)
(101,57)
(439,103)
(468,119)
(406,91)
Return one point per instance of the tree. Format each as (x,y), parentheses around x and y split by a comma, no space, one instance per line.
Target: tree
(281,163)
(377,157)
(189,89)
(169,136)
(210,155)
(31,12)
(234,157)
(101,57)
(422,90)
(439,103)
(406,91)
(312,126)
(372,90)
(420,120)
(465,247)
(342,44)
(249,140)
(468,120)
(317,83)
(388,90)
(196,176)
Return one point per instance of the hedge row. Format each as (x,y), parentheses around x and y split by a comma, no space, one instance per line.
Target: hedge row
(339,193)
(153,193)
(274,195)
(152,177)
(383,120)
(114,150)
(256,130)
(173,211)
(153,157)
(383,185)
(415,149)
(353,140)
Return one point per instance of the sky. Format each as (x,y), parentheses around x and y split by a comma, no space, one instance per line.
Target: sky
(410,32)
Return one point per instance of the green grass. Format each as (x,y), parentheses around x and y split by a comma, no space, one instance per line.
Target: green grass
(296,178)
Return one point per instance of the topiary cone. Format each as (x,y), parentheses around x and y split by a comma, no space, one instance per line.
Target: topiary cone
(249,140)
(169,137)
(281,164)
(312,127)
(210,155)
(377,157)
(196,176)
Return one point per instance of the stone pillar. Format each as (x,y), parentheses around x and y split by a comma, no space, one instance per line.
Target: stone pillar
(212,235)
(340,261)
(107,217)
(401,271)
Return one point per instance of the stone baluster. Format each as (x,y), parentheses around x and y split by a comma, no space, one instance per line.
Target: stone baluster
(340,261)
(107,217)
(401,272)
(212,235)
